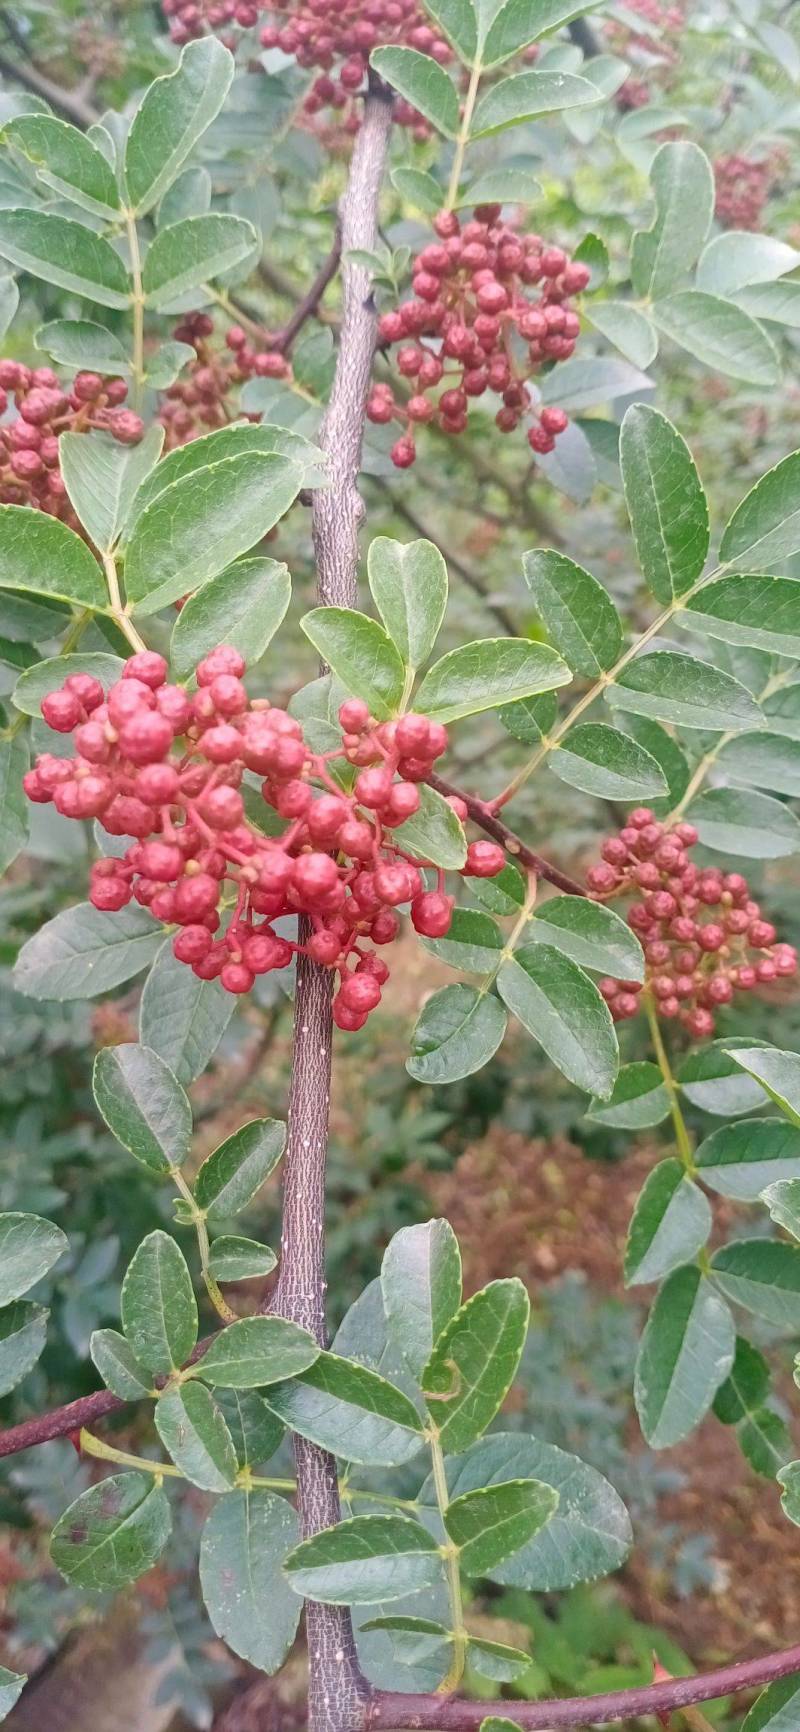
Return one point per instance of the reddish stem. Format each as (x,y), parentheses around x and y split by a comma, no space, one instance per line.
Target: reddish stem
(483,815)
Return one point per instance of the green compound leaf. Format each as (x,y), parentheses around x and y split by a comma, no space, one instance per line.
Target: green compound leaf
(256,1351)
(580,616)
(487,674)
(421,1287)
(65,160)
(765,529)
(194,1433)
(361,655)
(112,1533)
(29,1247)
(65,253)
(41,554)
(350,1410)
(753,609)
(686,1352)
(506,28)
(490,1524)
(229,1179)
(435,834)
(102,478)
(234,1259)
(691,694)
(84,952)
(118,1366)
(250,1604)
(526,95)
(182,1018)
(12,1685)
(473,942)
(741,1160)
(458,1031)
(158,1306)
(561,1007)
(14,806)
(191,252)
(783,1202)
(610,765)
(423,83)
(742,822)
(235,440)
(369,1558)
(763,1275)
(670,1223)
(683,189)
(143,1104)
(408,581)
(666,503)
(720,335)
(255,1431)
(778,1707)
(243,606)
(23,1333)
(592,935)
(174,113)
(474,1362)
(638,1101)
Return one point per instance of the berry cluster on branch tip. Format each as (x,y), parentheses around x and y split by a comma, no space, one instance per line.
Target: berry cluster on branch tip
(30,472)
(495,307)
(166,768)
(704,937)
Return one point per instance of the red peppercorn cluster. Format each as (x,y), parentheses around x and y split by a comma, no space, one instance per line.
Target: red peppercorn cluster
(165,768)
(30,473)
(741,191)
(704,937)
(473,302)
(204,396)
(191,18)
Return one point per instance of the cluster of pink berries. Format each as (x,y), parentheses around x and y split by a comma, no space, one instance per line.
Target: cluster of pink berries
(165,768)
(741,191)
(191,18)
(664,22)
(700,928)
(472,298)
(201,399)
(30,473)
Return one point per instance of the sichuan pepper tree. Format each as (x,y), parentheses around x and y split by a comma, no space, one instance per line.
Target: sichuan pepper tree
(237,834)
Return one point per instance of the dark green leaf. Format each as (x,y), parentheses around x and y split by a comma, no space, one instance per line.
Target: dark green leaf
(683,189)
(670,1223)
(485,675)
(740,1160)
(423,83)
(49,675)
(490,1524)
(778,1706)
(23,1332)
(230,1177)
(65,160)
(741,822)
(83,952)
(144,1105)
(102,477)
(458,1031)
(421,1286)
(580,616)
(765,529)
(474,1362)
(711,1079)
(251,1607)
(408,581)
(691,694)
(118,1365)
(473,943)
(783,1202)
(38,553)
(255,1431)
(590,934)
(526,95)
(65,253)
(12,1685)
(756,610)
(182,1018)
(194,1434)
(720,335)
(762,761)
(435,833)
(666,503)
(639,1099)
(14,807)
(157,1303)
(628,328)
(29,1246)
(193,251)
(235,1259)
(243,607)
(112,1533)
(763,1275)
(601,761)
(173,114)
(513,25)
(361,655)
(345,1407)
(686,1352)
(79,343)
(256,1351)
(561,1007)
(373,1557)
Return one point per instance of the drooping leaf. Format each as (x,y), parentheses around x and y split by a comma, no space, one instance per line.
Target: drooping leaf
(666,503)
(251,1606)
(408,581)
(580,616)
(230,1177)
(483,675)
(118,1365)
(84,952)
(158,1306)
(490,1524)
(561,1007)
(112,1533)
(685,1354)
(361,654)
(243,606)
(174,113)
(256,1351)
(369,1558)
(670,1223)
(350,1410)
(29,1246)
(421,1287)
(193,1432)
(143,1104)
(458,1031)
(474,1362)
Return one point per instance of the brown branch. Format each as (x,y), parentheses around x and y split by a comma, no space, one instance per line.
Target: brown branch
(309,306)
(483,815)
(65,102)
(389,1709)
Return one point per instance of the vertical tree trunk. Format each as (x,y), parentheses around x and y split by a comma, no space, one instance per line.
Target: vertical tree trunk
(337,1691)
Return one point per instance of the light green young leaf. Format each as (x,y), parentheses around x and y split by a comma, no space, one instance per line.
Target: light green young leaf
(755,610)
(39,553)
(194,1434)
(459,1029)
(367,1559)
(490,1524)
(526,95)
(474,1362)
(719,334)
(349,1409)
(102,476)
(683,189)
(66,161)
(23,1332)
(579,615)
(689,693)
(408,581)
(83,952)
(143,1104)
(639,1099)
(181,1018)
(561,1007)
(174,113)
(112,1533)
(421,1287)
(740,1160)
(29,1246)
(361,655)
(763,1275)
(666,503)
(118,1366)
(671,1221)
(158,1306)
(256,1351)
(741,822)
(230,1177)
(486,674)
(250,1604)
(65,253)
(600,760)
(243,606)
(191,253)
(435,833)
(592,935)
(686,1352)
(423,83)
(764,530)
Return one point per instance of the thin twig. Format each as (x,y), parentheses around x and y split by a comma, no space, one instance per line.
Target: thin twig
(65,102)
(483,815)
(309,306)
